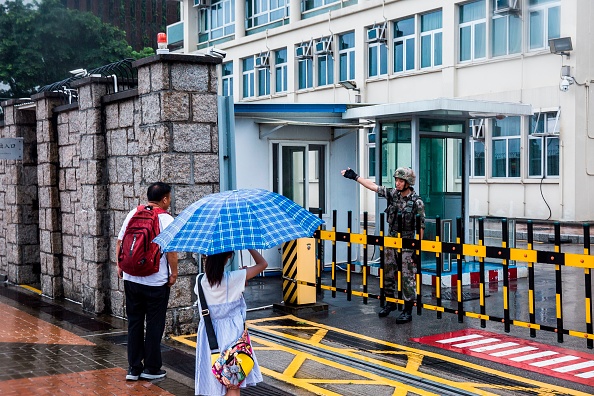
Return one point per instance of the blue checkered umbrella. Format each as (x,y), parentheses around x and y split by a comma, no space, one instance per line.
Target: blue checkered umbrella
(235,220)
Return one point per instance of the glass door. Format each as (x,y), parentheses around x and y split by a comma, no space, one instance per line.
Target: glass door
(441,181)
(299,173)
(293,173)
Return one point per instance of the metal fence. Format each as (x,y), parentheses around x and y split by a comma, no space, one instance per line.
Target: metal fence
(121,76)
(555,260)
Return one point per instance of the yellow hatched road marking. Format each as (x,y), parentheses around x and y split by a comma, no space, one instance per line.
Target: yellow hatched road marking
(414,362)
(412,367)
(309,383)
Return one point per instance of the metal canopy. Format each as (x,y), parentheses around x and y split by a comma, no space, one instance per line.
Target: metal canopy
(442,108)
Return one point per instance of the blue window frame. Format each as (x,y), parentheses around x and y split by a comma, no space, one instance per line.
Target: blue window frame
(506,147)
(263,81)
(543,145)
(305,70)
(248,77)
(346,56)
(280,70)
(507,33)
(473,25)
(404,45)
(544,19)
(325,66)
(227,79)
(263,12)
(217,21)
(313,4)
(377,59)
(431,39)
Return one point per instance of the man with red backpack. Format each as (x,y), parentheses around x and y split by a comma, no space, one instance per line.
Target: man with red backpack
(148,276)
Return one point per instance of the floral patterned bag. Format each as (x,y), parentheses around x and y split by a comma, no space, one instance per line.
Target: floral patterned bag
(233,365)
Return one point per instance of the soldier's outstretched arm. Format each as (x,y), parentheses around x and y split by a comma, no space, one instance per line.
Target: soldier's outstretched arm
(367,183)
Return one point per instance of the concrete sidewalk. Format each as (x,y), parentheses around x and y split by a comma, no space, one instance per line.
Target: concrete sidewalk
(50,347)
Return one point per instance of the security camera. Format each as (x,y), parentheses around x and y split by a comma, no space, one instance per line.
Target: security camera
(218,53)
(564,84)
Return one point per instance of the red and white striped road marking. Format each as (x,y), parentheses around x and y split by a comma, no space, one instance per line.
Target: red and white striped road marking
(528,355)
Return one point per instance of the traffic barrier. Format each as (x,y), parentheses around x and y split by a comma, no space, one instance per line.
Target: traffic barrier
(529,255)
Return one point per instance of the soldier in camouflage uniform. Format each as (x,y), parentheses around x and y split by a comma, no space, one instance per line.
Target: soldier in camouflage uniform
(402,199)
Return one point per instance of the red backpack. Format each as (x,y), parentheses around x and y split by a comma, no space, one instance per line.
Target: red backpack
(139,256)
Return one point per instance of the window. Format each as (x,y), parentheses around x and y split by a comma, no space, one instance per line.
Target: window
(473,39)
(227,79)
(218,20)
(305,70)
(377,62)
(280,70)
(404,45)
(431,39)
(507,33)
(371,155)
(263,81)
(544,19)
(477,166)
(506,147)
(346,56)
(248,77)
(311,4)
(543,145)
(324,61)
(262,12)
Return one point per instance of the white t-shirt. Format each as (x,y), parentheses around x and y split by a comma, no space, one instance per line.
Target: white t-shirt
(158,278)
(231,287)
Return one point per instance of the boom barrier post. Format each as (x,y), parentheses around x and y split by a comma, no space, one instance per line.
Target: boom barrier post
(349,256)
(558,284)
(588,286)
(320,259)
(334,254)
(531,296)
(365,269)
(459,271)
(438,266)
(505,245)
(481,241)
(418,273)
(399,260)
(382,263)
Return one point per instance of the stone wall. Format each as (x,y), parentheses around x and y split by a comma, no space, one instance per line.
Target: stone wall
(91,163)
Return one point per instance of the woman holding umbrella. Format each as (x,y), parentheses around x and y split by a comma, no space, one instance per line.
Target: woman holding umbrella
(223,292)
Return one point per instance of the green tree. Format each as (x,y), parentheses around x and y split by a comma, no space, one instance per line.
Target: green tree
(146,51)
(41,42)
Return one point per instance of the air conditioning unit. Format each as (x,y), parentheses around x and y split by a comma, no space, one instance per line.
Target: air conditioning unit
(376,34)
(478,130)
(263,60)
(323,46)
(507,6)
(303,51)
(201,3)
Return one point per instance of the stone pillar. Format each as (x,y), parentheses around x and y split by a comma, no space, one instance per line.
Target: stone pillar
(50,226)
(178,144)
(19,240)
(91,211)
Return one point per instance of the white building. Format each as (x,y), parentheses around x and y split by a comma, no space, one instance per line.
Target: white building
(422,78)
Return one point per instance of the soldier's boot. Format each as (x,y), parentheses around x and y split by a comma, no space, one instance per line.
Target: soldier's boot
(406,314)
(389,307)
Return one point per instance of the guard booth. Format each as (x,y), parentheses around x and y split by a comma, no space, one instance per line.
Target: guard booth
(432,137)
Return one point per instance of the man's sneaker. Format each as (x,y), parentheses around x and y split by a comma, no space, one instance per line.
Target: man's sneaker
(150,374)
(132,374)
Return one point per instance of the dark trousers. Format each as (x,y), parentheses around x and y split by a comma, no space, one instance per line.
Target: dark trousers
(145,303)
